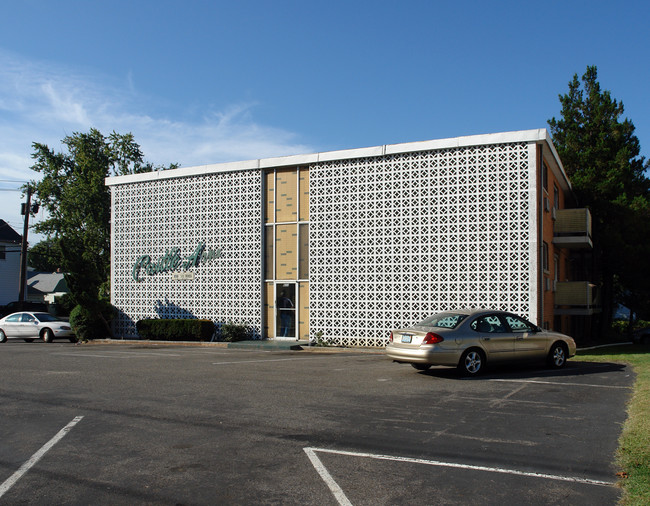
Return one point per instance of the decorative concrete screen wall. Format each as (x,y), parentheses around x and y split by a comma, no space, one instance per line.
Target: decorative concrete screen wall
(169,220)
(396,233)
(395,238)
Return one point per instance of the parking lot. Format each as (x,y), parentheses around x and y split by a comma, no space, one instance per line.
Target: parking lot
(139,424)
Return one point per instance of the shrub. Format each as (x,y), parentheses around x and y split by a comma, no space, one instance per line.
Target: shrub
(319,340)
(87,325)
(232,332)
(175,329)
(621,328)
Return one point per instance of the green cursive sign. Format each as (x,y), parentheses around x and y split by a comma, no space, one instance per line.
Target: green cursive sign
(172,261)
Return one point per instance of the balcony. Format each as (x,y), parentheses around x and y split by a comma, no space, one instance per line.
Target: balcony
(572,229)
(577,298)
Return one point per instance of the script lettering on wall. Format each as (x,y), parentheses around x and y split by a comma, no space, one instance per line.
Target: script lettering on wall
(172,261)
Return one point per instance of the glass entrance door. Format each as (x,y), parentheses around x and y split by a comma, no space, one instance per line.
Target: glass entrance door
(285,306)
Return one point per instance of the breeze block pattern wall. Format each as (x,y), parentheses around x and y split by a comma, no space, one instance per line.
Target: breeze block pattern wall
(396,238)
(224,212)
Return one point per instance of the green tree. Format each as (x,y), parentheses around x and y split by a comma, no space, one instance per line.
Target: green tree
(45,256)
(78,206)
(601,155)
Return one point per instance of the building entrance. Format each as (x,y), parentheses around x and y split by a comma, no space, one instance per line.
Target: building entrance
(286,253)
(285,305)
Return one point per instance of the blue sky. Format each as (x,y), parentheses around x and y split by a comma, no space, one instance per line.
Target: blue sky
(201,82)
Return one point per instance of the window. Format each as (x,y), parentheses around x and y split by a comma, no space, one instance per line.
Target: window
(544,175)
(488,324)
(519,324)
(2,252)
(286,234)
(556,197)
(303,251)
(286,253)
(269,245)
(545,264)
(443,320)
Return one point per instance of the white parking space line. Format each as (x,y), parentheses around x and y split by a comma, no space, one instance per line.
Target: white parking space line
(560,383)
(11,481)
(342,499)
(145,353)
(294,359)
(339,495)
(93,355)
(119,354)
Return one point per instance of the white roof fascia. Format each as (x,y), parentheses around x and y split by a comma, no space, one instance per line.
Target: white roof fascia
(558,162)
(469,140)
(197,170)
(538,136)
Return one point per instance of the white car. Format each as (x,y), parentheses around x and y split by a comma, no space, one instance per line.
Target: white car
(30,326)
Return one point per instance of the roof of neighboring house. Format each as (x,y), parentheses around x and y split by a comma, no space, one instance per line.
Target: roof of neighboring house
(47,282)
(8,234)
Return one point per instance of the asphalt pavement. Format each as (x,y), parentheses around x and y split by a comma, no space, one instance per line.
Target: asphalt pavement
(167,424)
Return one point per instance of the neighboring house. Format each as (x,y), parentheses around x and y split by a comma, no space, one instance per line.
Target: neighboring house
(359,241)
(45,286)
(10,242)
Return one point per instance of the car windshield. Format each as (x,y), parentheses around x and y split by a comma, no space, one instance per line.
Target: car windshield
(443,320)
(46,317)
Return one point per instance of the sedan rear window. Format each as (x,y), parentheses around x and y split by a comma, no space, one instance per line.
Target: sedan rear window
(444,320)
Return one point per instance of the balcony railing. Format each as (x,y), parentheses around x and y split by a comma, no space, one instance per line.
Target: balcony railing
(577,297)
(572,228)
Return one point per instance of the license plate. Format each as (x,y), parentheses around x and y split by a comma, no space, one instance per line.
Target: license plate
(406,338)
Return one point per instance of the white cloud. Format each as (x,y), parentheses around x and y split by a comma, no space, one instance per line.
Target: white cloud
(40,102)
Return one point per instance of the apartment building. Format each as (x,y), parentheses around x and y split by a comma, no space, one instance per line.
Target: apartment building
(343,246)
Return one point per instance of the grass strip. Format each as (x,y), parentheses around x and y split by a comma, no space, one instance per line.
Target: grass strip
(633,454)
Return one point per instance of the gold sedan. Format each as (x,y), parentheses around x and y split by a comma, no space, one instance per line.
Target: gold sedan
(469,339)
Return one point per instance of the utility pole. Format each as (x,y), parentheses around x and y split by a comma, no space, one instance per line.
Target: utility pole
(23,250)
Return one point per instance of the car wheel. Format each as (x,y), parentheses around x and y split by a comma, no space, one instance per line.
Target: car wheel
(557,356)
(48,336)
(472,362)
(422,367)
(3,337)
(28,340)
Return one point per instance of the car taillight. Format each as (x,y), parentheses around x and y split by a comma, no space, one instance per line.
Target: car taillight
(432,338)
(390,338)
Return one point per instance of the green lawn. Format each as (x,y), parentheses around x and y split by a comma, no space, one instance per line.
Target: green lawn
(633,456)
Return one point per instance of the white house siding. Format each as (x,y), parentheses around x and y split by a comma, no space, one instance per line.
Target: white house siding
(9,273)
(149,218)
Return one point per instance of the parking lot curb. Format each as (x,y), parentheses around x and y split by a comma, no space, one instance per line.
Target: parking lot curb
(260,344)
